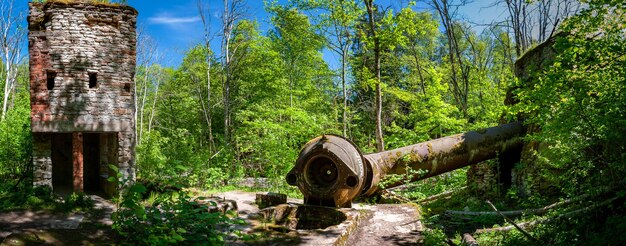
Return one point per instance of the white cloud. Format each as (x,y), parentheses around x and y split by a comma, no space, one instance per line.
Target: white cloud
(168,20)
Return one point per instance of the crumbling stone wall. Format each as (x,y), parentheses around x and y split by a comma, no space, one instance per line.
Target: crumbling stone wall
(526,177)
(82,64)
(516,169)
(42,159)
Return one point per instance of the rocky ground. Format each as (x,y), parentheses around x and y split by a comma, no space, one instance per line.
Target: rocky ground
(49,228)
(363,224)
(286,224)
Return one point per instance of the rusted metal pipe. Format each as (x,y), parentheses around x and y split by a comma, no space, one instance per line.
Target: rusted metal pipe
(332,171)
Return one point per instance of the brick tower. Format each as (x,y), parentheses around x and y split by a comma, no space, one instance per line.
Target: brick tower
(82,64)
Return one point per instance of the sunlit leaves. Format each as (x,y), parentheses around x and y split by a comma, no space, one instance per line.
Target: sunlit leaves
(579,101)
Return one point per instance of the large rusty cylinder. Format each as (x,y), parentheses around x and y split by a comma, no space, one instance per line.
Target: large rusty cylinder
(332,171)
(442,155)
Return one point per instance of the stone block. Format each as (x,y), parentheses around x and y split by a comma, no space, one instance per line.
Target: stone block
(270,199)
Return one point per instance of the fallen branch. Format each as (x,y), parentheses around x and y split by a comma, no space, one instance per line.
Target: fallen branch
(535,211)
(512,222)
(403,187)
(391,195)
(468,240)
(440,195)
(508,228)
(545,220)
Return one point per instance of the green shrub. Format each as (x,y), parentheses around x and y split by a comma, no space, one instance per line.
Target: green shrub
(579,101)
(434,237)
(25,196)
(170,219)
(77,201)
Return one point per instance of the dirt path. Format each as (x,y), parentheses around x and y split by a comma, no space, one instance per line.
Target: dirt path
(388,224)
(46,227)
(17,221)
(376,225)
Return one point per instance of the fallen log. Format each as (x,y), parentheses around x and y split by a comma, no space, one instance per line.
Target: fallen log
(542,210)
(440,195)
(545,220)
(512,223)
(535,211)
(468,240)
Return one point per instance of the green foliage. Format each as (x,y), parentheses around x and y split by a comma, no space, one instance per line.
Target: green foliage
(435,185)
(418,100)
(15,142)
(603,227)
(276,118)
(15,135)
(150,157)
(25,196)
(579,102)
(434,237)
(77,201)
(167,219)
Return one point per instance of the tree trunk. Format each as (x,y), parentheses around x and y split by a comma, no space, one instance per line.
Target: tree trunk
(345,93)
(208,84)
(7,83)
(143,104)
(156,95)
(10,45)
(228,22)
(380,142)
(418,68)
(207,46)
(460,77)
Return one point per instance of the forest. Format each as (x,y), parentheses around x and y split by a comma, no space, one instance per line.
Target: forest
(405,72)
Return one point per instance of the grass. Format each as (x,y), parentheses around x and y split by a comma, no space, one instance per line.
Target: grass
(435,185)
(25,197)
(290,191)
(39,198)
(602,226)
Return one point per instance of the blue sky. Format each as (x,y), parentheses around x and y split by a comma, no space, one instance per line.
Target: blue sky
(176,26)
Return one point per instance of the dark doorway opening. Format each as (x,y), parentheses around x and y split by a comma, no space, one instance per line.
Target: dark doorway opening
(99,150)
(91,163)
(506,162)
(61,154)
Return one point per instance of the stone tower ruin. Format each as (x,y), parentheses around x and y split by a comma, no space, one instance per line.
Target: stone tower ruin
(82,64)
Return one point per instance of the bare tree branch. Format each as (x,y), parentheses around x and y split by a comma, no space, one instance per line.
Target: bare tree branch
(234,10)
(11,38)
(206,23)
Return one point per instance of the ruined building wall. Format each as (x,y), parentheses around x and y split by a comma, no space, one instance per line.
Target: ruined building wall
(82,64)
(526,178)
(517,169)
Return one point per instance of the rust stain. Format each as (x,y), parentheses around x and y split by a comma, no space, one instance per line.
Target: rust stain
(438,156)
